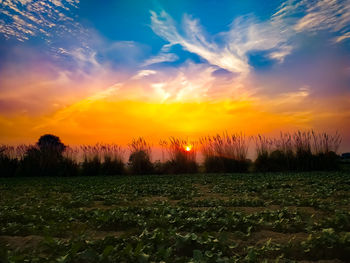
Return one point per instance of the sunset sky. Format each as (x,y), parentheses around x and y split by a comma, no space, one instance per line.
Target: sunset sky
(107,71)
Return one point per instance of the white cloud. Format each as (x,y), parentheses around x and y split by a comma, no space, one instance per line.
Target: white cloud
(333,15)
(245,35)
(144,73)
(192,82)
(275,36)
(23,19)
(316,15)
(195,42)
(281,54)
(161,57)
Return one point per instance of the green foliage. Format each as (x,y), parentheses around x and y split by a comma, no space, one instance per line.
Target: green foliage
(280,217)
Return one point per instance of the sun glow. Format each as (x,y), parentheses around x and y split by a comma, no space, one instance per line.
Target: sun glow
(188,148)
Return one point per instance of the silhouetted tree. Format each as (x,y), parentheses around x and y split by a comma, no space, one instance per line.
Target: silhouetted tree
(51,145)
(46,158)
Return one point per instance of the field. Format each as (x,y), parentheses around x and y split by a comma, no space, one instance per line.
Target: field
(283,217)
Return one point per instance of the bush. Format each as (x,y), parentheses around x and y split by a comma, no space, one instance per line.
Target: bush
(112,166)
(327,161)
(68,168)
(8,166)
(180,167)
(217,164)
(91,167)
(10,159)
(140,157)
(140,163)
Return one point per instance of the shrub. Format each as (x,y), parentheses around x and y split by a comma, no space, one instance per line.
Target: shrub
(68,168)
(140,157)
(91,167)
(8,163)
(112,166)
(31,164)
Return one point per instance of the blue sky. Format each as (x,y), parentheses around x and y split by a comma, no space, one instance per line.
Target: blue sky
(293,55)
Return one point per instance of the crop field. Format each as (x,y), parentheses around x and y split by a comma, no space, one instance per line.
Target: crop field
(281,217)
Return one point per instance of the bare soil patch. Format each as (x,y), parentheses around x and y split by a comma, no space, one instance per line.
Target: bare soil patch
(97,235)
(260,238)
(21,242)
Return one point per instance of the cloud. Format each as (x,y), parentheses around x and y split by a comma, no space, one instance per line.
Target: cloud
(144,73)
(333,15)
(316,15)
(275,36)
(160,58)
(245,35)
(343,37)
(25,19)
(194,41)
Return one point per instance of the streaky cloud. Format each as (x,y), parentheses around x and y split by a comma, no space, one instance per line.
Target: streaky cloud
(276,35)
(35,18)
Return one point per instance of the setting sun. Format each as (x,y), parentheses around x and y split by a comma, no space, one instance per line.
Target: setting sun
(188,148)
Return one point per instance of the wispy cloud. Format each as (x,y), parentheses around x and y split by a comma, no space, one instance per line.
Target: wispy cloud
(194,41)
(275,36)
(317,15)
(342,37)
(333,15)
(160,58)
(231,53)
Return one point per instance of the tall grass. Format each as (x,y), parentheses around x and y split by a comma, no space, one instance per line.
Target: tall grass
(140,157)
(225,153)
(298,151)
(102,159)
(181,156)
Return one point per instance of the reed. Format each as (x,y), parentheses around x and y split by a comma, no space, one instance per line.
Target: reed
(225,153)
(101,159)
(181,155)
(298,151)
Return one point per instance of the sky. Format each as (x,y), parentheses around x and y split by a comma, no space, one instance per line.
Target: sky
(93,71)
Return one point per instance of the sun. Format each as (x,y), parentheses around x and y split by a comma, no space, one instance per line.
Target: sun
(188,148)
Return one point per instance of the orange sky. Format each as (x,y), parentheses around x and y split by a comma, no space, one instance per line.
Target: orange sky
(104,117)
(179,72)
